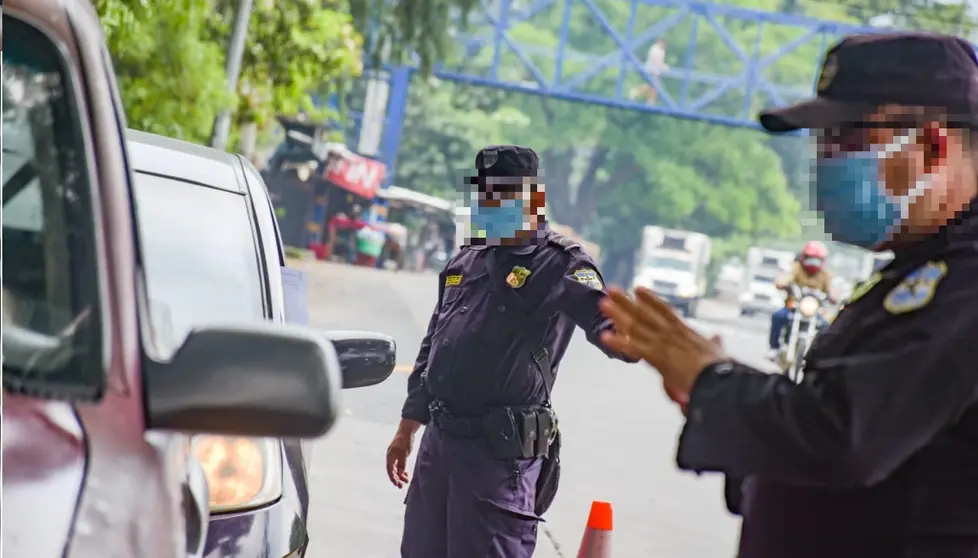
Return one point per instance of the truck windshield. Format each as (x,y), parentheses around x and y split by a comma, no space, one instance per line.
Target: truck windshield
(665,262)
(763,279)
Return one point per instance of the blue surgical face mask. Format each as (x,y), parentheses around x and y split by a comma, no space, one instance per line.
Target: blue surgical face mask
(498,222)
(855,206)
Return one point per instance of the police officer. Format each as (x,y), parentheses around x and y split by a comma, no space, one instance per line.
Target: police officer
(877,455)
(507,306)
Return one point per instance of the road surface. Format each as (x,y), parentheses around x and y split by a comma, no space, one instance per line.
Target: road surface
(619,429)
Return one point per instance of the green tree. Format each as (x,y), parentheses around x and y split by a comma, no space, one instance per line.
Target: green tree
(610,172)
(295,49)
(171,76)
(444,126)
(170,57)
(398,31)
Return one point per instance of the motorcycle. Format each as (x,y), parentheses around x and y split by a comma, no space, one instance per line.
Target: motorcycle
(807,306)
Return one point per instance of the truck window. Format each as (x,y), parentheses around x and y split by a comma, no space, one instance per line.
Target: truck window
(664,262)
(51,324)
(200,258)
(673,243)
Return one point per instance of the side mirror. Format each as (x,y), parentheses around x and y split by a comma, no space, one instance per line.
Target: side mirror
(262,380)
(366,358)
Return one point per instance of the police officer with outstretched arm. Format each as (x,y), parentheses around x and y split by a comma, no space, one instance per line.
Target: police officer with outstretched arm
(508,303)
(876,453)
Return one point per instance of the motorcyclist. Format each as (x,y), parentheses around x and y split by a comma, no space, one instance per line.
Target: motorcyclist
(807,271)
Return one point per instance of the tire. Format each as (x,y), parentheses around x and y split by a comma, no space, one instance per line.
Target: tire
(800,350)
(689,310)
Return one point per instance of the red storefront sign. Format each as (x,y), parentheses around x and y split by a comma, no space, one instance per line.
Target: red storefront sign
(356,174)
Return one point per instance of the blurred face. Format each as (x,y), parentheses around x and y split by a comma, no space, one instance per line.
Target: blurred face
(511,204)
(921,166)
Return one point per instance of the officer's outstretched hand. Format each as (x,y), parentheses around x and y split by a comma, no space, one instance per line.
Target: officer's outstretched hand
(397,457)
(646,326)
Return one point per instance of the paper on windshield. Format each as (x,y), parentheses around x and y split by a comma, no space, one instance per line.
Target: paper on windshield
(295,287)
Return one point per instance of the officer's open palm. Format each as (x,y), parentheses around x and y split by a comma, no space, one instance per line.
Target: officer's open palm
(397,457)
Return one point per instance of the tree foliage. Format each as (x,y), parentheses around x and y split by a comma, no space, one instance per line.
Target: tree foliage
(409,31)
(171,75)
(170,57)
(295,49)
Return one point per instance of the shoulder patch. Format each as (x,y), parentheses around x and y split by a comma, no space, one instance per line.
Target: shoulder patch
(588,276)
(453,280)
(916,290)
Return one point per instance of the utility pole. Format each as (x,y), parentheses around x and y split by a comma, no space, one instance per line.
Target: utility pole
(232,67)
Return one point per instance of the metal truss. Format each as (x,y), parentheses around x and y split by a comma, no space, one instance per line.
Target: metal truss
(492,54)
(725,63)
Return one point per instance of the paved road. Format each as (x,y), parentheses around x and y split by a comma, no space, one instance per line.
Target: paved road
(620,435)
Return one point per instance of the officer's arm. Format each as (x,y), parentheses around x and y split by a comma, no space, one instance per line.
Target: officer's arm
(578,293)
(416,406)
(856,422)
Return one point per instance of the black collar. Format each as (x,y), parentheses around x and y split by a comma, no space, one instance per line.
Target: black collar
(518,250)
(963,229)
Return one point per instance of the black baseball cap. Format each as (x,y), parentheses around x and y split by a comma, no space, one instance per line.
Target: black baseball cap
(503,161)
(864,71)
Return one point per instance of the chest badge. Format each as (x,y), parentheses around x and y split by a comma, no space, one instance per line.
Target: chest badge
(517,277)
(453,280)
(916,290)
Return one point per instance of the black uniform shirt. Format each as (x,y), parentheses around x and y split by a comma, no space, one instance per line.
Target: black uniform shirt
(876,453)
(472,356)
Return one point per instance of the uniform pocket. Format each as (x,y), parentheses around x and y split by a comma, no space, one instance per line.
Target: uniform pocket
(512,531)
(451,295)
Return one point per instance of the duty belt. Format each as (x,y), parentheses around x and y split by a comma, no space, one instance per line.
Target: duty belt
(473,426)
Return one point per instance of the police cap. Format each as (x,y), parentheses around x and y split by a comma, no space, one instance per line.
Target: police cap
(507,161)
(862,72)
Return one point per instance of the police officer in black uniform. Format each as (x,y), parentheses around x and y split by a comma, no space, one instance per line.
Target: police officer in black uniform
(876,453)
(508,303)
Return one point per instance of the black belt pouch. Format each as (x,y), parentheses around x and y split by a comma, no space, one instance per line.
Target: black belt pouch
(503,434)
(549,479)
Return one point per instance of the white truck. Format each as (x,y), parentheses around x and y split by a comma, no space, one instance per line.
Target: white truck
(758,295)
(674,265)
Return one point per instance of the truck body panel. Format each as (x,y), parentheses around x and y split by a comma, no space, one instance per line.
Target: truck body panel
(674,264)
(764,266)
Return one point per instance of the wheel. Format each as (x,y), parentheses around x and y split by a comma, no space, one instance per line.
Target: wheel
(690,308)
(799,361)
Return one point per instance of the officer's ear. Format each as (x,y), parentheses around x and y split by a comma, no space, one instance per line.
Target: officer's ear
(538,198)
(935,140)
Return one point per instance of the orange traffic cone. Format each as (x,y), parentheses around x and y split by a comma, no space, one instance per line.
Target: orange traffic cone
(597,535)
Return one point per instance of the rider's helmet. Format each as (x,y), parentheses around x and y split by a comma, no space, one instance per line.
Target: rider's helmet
(813,256)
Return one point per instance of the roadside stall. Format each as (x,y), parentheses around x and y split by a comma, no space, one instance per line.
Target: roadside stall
(429,225)
(393,255)
(313,181)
